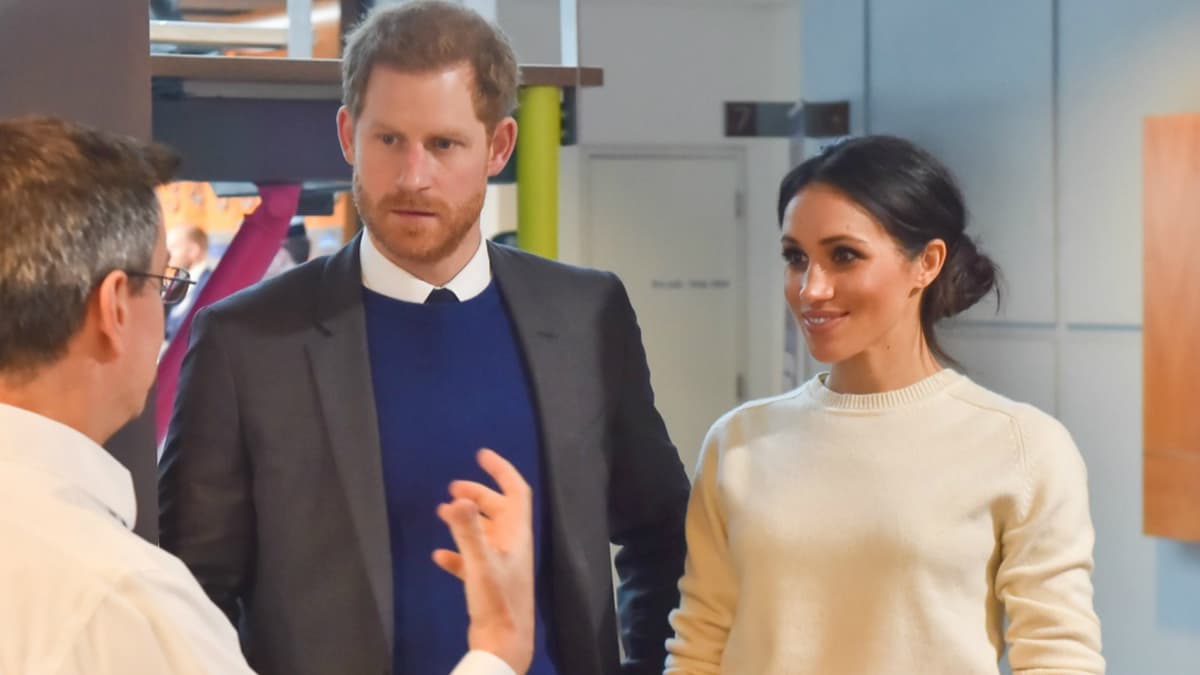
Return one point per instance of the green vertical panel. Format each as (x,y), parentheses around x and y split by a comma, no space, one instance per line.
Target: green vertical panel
(537,170)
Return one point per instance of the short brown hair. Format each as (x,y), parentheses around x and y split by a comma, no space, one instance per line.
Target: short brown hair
(75,205)
(427,35)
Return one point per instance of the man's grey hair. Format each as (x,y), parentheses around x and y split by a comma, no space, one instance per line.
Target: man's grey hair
(75,205)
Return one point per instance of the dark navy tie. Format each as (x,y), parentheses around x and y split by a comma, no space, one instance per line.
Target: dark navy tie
(440,296)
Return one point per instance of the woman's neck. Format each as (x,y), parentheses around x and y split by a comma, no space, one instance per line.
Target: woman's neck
(883,368)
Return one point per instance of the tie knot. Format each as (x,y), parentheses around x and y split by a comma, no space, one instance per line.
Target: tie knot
(441,296)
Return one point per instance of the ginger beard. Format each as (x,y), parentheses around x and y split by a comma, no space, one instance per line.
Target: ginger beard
(416,239)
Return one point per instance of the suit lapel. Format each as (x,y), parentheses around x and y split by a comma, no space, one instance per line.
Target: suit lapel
(569,470)
(341,367)
(540,327)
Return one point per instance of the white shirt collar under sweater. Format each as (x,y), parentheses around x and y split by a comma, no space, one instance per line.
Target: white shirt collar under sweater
(386,278)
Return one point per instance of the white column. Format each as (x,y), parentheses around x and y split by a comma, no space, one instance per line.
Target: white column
(300,29)
(568,31)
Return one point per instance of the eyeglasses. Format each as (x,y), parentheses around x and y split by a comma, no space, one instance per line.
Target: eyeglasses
(174,284)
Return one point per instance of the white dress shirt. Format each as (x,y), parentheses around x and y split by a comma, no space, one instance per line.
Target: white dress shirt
(479,662)
(386,278)
(195,273)
(80,592)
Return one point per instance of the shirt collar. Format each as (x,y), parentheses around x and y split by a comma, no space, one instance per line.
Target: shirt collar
(38,442)
(386,278)
(195,271)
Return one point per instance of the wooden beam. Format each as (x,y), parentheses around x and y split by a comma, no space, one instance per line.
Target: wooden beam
(329,71)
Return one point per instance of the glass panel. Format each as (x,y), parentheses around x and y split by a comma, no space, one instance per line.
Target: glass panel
(246,27)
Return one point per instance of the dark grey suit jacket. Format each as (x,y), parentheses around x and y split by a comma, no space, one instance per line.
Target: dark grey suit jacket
(272,493)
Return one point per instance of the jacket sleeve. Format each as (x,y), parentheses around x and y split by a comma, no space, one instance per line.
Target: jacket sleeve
(207,509)
(648,492)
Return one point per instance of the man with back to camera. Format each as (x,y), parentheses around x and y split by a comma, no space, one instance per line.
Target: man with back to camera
(83,281)
(320,414)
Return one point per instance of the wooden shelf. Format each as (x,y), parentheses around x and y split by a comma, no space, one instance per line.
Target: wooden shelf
(328,71)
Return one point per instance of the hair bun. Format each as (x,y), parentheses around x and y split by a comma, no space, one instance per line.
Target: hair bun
(968,276)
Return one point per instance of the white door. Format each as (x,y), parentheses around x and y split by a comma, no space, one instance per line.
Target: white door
(670,225)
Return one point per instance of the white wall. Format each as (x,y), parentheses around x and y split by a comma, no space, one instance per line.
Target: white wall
(1037,107)
(669,66)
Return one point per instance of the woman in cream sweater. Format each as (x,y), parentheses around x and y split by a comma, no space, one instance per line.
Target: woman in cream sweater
(889,515)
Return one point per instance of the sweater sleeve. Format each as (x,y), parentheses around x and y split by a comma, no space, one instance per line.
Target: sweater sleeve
(1044,577)
(709,587)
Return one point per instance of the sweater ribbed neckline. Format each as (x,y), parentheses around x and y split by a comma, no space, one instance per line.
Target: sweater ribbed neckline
(885,400)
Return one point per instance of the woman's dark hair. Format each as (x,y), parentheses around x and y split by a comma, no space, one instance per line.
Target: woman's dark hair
(916,200)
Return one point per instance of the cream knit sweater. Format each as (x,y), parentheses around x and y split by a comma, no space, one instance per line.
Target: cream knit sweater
(833,534)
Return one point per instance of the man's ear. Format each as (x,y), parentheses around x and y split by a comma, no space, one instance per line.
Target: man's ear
(345,127)
(109,313)
(503,142)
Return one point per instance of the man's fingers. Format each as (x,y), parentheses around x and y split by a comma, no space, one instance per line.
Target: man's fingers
(511,483)
(449,561)
(466,527)
(488,500)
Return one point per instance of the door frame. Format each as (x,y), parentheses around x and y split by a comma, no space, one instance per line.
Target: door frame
(590,153)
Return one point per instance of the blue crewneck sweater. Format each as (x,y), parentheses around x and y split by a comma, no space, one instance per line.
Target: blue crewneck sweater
(449,379)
